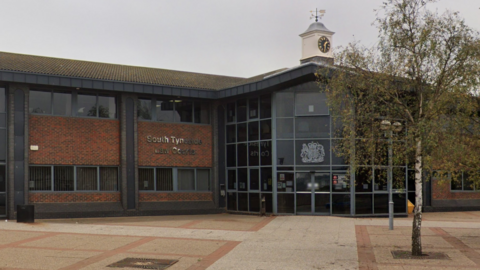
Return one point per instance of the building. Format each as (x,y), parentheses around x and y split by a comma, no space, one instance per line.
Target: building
(82,139)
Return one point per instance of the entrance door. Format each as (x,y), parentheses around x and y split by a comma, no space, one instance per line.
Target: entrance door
(313,193)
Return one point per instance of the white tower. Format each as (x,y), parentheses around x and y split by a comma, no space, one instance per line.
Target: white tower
(317,43)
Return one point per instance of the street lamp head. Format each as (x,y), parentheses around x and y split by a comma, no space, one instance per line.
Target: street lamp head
(385,125)
(397,127)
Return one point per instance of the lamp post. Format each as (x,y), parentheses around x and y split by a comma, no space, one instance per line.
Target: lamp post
(389,128)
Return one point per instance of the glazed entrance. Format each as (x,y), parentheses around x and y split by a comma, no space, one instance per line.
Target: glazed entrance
(313,193)
(288,158)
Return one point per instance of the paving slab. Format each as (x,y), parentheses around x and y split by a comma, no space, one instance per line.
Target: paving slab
(240,242)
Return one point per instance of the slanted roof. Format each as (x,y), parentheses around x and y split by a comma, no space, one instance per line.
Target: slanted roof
(32,69)
(114,72)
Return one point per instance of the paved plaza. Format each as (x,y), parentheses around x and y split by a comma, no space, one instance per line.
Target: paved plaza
(227,241)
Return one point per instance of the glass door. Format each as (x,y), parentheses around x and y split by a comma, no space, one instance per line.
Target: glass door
(304,186)
(313,193)
(321,204)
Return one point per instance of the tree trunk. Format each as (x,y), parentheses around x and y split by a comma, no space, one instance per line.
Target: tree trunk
(417,218)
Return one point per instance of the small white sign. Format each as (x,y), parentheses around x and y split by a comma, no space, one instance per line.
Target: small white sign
(34,147)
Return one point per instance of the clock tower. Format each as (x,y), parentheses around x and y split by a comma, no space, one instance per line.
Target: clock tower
(317,44)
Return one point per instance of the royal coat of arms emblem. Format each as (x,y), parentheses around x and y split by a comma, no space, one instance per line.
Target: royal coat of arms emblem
(312,153)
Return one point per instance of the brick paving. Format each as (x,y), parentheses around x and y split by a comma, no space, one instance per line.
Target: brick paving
(226,241)
(42,246)
(67,251)
(439,234)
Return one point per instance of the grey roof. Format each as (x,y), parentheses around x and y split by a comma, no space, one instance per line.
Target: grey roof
(317,26)
(32,64)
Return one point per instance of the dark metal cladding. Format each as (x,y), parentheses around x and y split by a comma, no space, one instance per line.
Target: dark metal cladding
(130,154)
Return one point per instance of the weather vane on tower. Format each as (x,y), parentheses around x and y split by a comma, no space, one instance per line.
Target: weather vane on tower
(316,16)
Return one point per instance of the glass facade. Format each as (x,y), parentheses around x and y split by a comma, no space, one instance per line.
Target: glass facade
(249,154)
(301,174)
(3,152)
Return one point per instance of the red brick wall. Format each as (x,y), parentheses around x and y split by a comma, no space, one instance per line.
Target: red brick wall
(146,150)
(177,196)
(74,141)
(441,191)
(56,197)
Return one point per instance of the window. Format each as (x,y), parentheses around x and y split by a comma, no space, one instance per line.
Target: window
(61,103)
(248,150)
(73,178)
(242,110)
(203,179)
(63,178)
(173,110)
(186,179)
(40,178)
(40,102)
(231,112)
(173,179)
(461,182)
(144,109)
(146,179)
(311,103)
(164,110)
(86,178)
(201,113)
(164,179)
(93,105)
(253,108)
(185,110)
(265,106)
(108,178)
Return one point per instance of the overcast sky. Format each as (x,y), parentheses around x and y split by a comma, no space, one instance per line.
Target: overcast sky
(239,38)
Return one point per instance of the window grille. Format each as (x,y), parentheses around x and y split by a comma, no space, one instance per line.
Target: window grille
(40,178)
(186,179)
(63,178)
(87,178)
(108,178)
(203,179)
(145,179)
(174,179)
(164,179)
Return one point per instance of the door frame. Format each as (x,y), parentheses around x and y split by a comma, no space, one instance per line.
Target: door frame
(313,192)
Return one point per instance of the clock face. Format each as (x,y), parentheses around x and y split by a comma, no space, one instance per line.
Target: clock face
(324,44)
